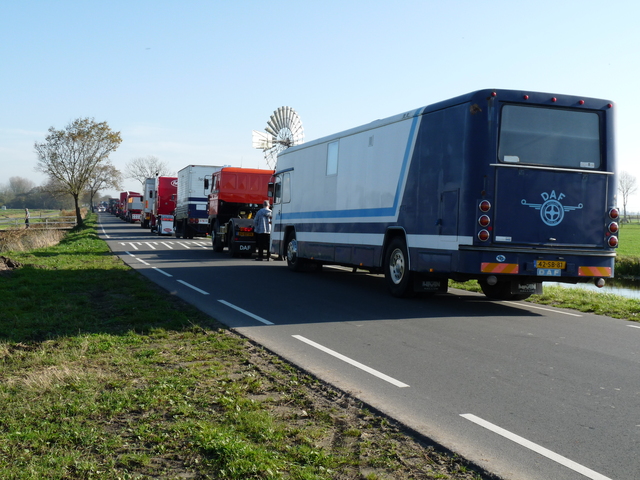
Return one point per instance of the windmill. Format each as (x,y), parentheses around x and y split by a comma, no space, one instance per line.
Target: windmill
(284,130)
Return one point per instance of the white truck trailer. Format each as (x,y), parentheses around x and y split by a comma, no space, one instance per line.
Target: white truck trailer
(191,217)
(148,198)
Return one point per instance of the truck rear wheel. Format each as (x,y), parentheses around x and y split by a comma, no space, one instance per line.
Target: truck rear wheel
(218,245)
(396,269)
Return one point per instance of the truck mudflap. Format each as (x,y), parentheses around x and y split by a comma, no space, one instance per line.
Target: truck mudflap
(430,285)
(241,237)
(520,287)
(165,225)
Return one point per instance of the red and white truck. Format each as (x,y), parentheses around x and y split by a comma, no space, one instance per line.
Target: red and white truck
(125,206)
(236,195)
(164,205)
(133,207)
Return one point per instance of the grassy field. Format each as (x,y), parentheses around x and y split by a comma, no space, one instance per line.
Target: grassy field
(14,218)
(35,214)
(103,375)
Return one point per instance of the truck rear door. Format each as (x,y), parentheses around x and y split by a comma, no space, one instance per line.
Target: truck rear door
(550,181)
(538,207)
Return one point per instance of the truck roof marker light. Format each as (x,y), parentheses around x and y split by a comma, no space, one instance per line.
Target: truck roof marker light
(554,99)
(526,97)
(610,105)
(581,102)
(494,94)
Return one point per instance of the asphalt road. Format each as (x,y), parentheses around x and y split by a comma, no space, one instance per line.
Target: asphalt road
(524,391)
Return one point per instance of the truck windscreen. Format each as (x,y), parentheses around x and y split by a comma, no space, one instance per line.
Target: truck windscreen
(549,136)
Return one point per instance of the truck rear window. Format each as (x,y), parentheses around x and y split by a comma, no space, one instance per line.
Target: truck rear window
(549,136)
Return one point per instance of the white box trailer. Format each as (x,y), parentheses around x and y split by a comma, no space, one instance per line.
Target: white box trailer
(192,218)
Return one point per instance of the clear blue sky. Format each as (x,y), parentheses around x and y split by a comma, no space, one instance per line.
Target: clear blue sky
(187,81)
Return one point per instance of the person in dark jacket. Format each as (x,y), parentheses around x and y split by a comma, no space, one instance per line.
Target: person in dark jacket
(262,229)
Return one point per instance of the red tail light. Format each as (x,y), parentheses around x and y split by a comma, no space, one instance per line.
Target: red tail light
(613,227)
(483,235)
(485,206)
(484,221)
(613,241)
(614,213)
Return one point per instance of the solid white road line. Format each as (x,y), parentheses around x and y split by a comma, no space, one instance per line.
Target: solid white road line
(350,361)
(249,314)
(536,448)
(162,272)
(634,326)
(191,286)
(521,304)
(140,260)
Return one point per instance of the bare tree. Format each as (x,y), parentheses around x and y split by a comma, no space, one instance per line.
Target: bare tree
(142,168)
(70,156)
(19,185)
(626,186)
(6,195)
(104,176)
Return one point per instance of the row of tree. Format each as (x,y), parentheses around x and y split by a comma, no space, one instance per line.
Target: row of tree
(76,162)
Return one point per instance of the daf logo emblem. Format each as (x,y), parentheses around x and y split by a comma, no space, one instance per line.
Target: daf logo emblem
(552,210)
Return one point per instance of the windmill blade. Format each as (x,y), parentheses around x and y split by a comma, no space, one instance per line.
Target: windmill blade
(290,116)
(261,140)
(272,125)
(279,118)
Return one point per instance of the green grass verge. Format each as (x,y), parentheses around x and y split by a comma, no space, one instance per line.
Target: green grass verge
(103,375)
(627,266)
(577,299)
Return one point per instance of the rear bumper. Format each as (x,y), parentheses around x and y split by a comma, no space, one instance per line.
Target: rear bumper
(575,265)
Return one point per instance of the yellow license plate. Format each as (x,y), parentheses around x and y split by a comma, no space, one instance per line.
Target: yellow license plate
(245,234)
(551,264)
